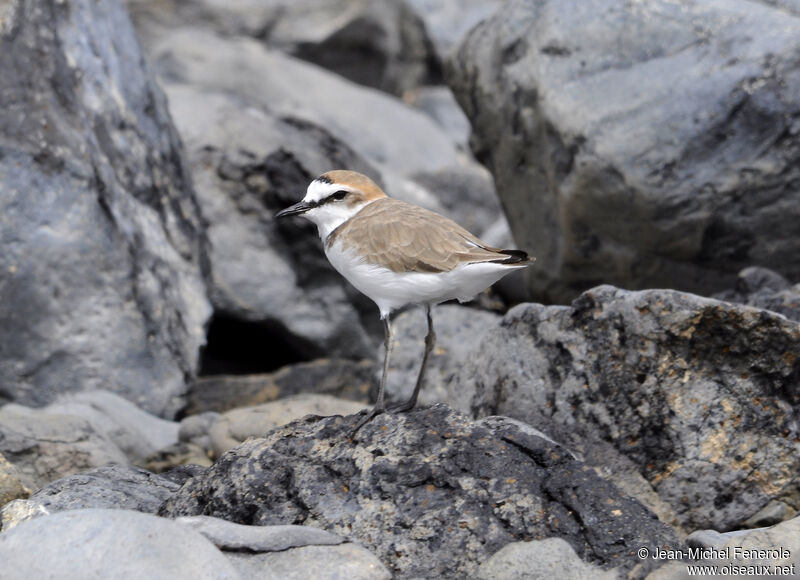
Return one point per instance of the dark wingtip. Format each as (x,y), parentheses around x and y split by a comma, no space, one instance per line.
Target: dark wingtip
(517,257)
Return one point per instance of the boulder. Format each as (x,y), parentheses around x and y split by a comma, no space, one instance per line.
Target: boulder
(109,543)
(136,433)
(377,43)
(112,487)
(768,553)
(429,492)
(101,270)
(48,446)
(396,136)
(765,288)
(647,145)
(701,395)
(539,560)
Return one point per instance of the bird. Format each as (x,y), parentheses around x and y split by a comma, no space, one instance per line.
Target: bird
(398,254)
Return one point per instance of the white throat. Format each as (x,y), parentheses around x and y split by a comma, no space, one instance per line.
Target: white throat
(330,216)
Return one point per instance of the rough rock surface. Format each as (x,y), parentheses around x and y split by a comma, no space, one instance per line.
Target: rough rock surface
(338,377)
(765,288)
(112,487)
(109,543)
(647,144)
(100,273)
(701,395)
(429,492)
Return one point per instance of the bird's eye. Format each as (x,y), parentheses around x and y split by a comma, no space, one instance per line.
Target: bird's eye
(339,195)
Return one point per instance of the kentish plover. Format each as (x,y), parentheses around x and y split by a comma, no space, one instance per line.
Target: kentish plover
(398,254)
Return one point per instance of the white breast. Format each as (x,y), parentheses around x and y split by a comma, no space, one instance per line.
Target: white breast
(391,290)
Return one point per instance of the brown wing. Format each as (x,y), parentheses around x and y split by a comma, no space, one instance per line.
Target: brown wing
(408,238)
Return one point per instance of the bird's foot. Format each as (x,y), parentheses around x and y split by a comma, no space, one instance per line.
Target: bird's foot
(374,412)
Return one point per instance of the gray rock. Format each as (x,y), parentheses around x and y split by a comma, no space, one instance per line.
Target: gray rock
(246,165)
(236,537)
(113,487)
(46,446)
(135,432)
(429,492)
(647,145)
(539,560)
(11,485)
(109,543)
(236,425)
(765,288)
(446,23)
(440,105)
(378,43)
(100,273)
(337,377)
(459,331)
(701,395)
(194,428)
(773,513)
(779,548)
(345,562)
(396,136)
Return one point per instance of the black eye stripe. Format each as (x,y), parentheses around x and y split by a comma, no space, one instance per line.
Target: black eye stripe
(336,196)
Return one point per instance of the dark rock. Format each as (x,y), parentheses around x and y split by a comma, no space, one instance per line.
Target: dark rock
(429,492)
(109,543)
(765,288)
(100,273)
(338,377)
(112,487)
(655,145)
(701,395)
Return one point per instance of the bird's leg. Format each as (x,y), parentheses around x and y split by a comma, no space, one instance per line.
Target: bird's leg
(380,404)
(430,340)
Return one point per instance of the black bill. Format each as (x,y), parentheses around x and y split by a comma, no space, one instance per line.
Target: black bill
(296,209)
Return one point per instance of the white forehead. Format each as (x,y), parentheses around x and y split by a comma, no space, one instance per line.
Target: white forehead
(319,190)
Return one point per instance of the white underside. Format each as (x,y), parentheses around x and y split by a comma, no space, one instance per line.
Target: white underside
(392,290)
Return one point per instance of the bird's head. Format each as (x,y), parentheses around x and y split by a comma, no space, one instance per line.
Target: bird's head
(333,198)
